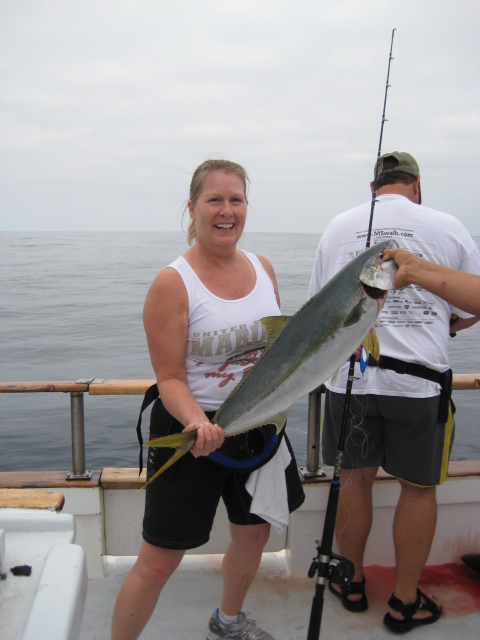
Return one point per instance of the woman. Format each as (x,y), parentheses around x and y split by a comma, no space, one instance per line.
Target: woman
(200,315)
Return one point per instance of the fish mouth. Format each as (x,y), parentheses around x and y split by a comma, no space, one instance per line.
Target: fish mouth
(373,292)
(378,276)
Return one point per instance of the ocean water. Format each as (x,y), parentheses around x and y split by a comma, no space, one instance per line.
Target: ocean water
(71,307)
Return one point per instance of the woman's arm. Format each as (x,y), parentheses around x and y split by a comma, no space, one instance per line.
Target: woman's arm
(165,318)
(462,290)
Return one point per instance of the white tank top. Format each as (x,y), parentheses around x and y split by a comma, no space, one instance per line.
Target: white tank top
(224,336)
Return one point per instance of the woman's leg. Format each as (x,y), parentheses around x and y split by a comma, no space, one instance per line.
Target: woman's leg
(240,563)
(140,590)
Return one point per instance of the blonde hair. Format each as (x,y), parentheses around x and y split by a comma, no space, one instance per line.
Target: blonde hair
(198,179)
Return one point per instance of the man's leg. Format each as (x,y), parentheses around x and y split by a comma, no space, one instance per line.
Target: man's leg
(140,590)
(413,530)
(354,518)
(240,563)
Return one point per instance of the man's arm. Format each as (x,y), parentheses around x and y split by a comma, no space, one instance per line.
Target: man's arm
(461,290)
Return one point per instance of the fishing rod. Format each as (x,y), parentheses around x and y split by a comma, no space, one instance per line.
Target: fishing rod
(379,160)
(328,565)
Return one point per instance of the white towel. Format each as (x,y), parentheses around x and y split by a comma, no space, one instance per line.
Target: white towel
(268,489)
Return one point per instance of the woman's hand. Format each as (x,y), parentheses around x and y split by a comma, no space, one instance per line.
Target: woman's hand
(209,437)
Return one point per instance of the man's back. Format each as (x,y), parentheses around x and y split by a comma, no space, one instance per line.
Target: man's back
(414,324)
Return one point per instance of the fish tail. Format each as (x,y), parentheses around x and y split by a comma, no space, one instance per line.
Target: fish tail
(181,442)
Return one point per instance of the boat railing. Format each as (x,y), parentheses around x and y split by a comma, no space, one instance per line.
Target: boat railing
(104,387)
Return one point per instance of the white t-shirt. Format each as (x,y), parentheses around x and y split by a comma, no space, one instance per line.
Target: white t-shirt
(224,336)
(414,324)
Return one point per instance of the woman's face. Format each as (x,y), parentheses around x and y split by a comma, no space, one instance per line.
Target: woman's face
(220,210)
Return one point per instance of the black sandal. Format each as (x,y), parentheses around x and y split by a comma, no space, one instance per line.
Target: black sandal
(353,588)
(409,610)
(472,560)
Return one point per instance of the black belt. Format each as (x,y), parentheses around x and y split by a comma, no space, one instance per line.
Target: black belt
(420,371)
(412,369)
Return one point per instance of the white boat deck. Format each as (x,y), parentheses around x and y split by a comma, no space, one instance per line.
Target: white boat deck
(281,604)
(281,596)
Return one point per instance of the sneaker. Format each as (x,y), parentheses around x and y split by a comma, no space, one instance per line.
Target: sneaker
(244,629)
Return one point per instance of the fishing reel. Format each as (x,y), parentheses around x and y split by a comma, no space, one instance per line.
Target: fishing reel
(340,570)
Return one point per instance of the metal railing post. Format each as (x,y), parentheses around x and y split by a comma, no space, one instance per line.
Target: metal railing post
(78,438)
(313,436)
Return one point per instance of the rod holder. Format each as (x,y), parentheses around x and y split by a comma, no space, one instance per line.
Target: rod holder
(78,439)
(313,436)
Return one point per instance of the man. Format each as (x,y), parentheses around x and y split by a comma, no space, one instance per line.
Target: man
(400,416)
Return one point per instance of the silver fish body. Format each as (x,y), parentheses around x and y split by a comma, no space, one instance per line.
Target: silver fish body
(314,343)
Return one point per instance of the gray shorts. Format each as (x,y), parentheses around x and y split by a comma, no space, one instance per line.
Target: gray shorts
(400,434)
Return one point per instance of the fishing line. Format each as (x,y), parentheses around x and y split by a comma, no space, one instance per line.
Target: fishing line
(348,481)
(355,428)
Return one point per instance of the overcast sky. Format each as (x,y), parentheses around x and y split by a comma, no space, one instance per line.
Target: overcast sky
(107,107)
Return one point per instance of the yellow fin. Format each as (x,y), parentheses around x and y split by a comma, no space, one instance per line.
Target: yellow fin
(278,420)
(181,442)
(371,344)
(274,326)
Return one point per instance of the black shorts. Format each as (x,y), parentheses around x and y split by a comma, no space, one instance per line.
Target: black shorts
(180,504)
(400,434)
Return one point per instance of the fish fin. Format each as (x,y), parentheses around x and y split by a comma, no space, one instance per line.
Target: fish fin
(181,442)
(278,420)
(371,344)
(274,326)
(355,314)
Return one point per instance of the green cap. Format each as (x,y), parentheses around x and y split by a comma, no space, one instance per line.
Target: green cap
(406,163)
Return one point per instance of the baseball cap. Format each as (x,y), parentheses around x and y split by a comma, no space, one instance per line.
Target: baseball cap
(406,163)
